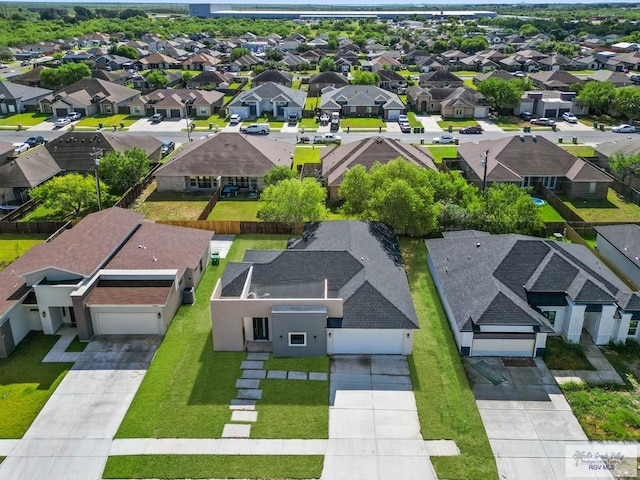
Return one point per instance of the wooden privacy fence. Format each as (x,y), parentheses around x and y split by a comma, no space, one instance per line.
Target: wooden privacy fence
(134,192)
(31,227)
(553,200)
(21,212)
(237,228)
(210,204)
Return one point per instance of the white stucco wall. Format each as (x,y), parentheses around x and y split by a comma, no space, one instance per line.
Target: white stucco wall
(625,266)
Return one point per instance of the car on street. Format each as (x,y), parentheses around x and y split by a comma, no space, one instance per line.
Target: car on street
(73,116)
(235,119)
(4,65)
(34,141)
(61,122)
(229,191)
(157,117)
(405,127)
(624,128)
(471,129)
(25,63)
(20,147)
(542,121)
(261,128)
(167,148)
(327,138)
(569,117)
(444,139)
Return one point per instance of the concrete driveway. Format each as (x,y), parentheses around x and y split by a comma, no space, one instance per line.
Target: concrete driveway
(71,437)
(167,125)
(374,431)
(528,421)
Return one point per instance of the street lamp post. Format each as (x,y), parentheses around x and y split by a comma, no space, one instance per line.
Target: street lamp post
(484,165)
(186,116)
(96,160)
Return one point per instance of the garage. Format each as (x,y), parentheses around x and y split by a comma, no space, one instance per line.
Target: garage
(127,323)
(367,341)
(503,345)
(175,113)
(61,112)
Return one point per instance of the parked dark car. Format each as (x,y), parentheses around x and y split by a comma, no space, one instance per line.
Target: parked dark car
(157,117)
(229,191)
(167,148)
(34,141)
(471,129)
(526,115)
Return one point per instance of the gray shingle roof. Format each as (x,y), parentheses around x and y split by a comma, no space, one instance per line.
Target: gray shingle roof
(625,238)
(271,90)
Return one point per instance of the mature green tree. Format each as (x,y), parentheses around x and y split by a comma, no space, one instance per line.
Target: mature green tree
(304,66)
(598,96)
(186,76)
(402,206)
(502,95)
(528,30)
(65,74)
(275,55)
(293,200)
(355,190)
(362,77)
(157,79)
(625,165)
(474,44)
(238,52)
(627,102)
(439,46)
(125,51)
(327,64)
(121,171)
(508,209)
(276,174)
(71,194)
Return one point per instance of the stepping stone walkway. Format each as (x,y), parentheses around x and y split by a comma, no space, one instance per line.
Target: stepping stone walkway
(243,407)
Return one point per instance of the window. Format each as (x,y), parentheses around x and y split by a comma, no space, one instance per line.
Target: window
(551,316)
(200,182)
(136,109)
(203,110)
(633,328)
(592,187)
(297,339)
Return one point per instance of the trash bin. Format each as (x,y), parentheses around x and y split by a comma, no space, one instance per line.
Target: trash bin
(348,128)
(422,141)
(416,129)
(450,128)
(72,128)
(211,126)
(602,127)
(421,129)
(215,258)
(457,142)
(19,126)
(559,139)
(554,127)
(575,140)
(216,129)
(595,125)
(380,129)
(100,126)
(121,125)
(526,129)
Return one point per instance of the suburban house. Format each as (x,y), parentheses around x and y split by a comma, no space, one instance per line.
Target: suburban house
(17,98)
(439,79)
(113,62)
(111,274)
(340,289)
(499,74)
(450,102)
(275,76)
(336,161)
(322,80)
(210,79)
(201,61)
(362,100)
(504,294)
(178,103)
(156,61)
(89,96)
(268,99)
(140,81)
(550,103)
(529,160)
(245,62)
(554,80)
(69,153)
(30,78)
(626,146)
(223,159)
(391,80)
(618,79)
(620,246)
(120,77)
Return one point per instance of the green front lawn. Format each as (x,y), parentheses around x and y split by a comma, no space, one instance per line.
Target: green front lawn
(413,121)
(312,123)
(299,364)
(457,123)
(306,154)
(509,123)
(108,120)
(76,345)
(236,209)
(215,120)
(172,205)
(612,209)
(188,387)
(444,151)
(356,122)
(562,355)
(25,119)
(214,466)
(446,405)
(12,245)
(465,73)
(272,121)
(26,384)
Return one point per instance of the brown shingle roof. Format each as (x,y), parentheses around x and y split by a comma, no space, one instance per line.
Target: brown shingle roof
(130,292)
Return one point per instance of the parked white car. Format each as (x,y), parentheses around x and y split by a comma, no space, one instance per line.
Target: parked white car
(61,122)
(624,128)
(569,117)
(444,139)
(20,147)
(235,119)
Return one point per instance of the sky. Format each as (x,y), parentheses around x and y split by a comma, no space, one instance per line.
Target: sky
(298,5)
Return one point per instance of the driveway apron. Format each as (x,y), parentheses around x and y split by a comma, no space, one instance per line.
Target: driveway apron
(71,437)
(374,431)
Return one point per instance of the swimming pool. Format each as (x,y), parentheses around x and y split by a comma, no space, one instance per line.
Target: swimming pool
(537,201)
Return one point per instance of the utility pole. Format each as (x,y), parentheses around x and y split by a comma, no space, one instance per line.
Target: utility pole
(97,155)
(484,165)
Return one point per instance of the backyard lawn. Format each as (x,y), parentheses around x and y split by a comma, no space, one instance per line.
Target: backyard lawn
(304,154)
(26,384)
(446,405)
(440,152)
(171,205)
(610,412)
(614,209)
(579,150)
(188,387)
(12,245)
(108,120)
(456,123)
(210,466)
(42,213)
(235,209)
(25,119)
(311,103)
(549,214)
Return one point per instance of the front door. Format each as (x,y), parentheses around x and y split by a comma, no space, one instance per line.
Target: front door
(260,329)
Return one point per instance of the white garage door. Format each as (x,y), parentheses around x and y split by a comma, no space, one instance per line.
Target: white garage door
(503,345)
(362,341)
(126,323)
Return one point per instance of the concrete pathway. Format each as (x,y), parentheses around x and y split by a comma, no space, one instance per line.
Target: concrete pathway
(71,437)
(528,421)
(604,373)
(222,244)
(430,123)
(489,126)
(57,352)
(374,431)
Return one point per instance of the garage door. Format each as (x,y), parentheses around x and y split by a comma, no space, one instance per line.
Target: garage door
(175,113)
(503,345)
(126,324)
(61,112)
(362,341)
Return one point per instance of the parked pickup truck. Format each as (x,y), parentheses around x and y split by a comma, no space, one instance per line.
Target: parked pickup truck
(327,138)
(262,128)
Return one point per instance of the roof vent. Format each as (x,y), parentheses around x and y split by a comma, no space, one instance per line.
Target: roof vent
(251,295)
(477,244)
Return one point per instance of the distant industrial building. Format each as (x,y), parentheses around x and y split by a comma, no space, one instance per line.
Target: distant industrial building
(319,10)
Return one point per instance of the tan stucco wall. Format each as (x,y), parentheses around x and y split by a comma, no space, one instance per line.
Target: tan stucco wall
(170,184)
